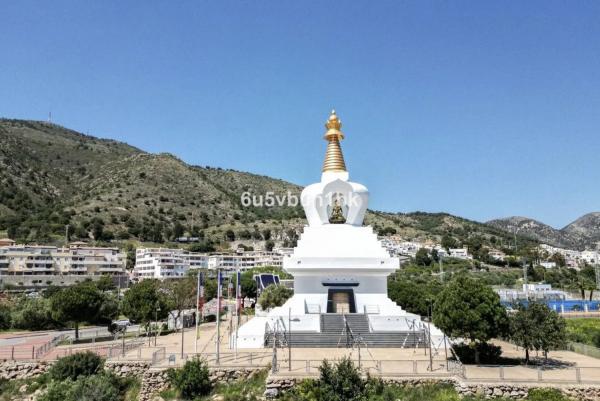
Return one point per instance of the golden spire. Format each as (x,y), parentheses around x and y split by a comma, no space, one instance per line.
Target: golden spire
(334,160)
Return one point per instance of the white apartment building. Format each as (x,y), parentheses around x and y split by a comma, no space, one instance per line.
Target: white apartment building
(497,255)
(572,257)
(165,263)
(531,291)
(459,253)
(76,259)
(161,263)
(548,265)
(590,257)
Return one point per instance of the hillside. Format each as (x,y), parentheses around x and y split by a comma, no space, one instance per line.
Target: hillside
(583,233)
(106,190)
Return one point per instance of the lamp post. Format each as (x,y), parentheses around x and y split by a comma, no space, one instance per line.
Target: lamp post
(290,320)
(156,310)
(274,359)
(429,335)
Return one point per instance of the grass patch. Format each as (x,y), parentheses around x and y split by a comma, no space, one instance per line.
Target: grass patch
(242,390)
(9,389)
(133,390)
(585,331)
(168,394)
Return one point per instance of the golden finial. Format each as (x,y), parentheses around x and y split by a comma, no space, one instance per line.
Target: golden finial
(334,123)
(334,160)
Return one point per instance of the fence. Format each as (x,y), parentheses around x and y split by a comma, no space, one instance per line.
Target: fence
(158,355)
(30,352)
(417,368)
(534,374)
(44,349)
(107,351)
(584,349)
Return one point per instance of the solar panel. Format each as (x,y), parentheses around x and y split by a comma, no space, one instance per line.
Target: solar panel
(267,280)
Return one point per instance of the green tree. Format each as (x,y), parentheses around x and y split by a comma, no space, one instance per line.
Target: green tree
(178,230)
(77,304)
(141,301)
(537,327)
(467,308)
(269,245)
(422,257)
(587,278)
(248,284)
(448,242)
(33,314)
(559,259)
(105,283)
(273,296)
(180,295)
(415,296)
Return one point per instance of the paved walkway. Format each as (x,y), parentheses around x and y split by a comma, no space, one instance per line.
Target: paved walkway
(570,367)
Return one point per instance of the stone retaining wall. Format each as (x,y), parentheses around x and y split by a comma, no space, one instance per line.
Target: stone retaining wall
(22,370)
(276,385)
(155,381)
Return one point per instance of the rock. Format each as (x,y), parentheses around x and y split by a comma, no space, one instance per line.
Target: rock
(271,393)
(218,397)
(23,389)
(497,392)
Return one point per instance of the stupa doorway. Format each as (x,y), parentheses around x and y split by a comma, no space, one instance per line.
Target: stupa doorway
(341,300)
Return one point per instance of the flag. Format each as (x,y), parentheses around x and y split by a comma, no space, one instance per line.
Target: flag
(219,291)
(200,291)
(238,293)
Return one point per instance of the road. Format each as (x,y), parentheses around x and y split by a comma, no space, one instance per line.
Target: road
(38,337)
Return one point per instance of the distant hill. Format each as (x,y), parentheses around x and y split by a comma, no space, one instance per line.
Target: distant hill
(106,190)
(583,233)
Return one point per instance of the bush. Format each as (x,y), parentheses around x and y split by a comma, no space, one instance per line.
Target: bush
(341,382)
(5,317)
(192,380)
(76,365)
(102,387)
(488,353)
(57,391)
(273,296)
(546,394)
(210,318)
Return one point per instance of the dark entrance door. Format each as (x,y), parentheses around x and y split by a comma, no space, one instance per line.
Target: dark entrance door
(340,301)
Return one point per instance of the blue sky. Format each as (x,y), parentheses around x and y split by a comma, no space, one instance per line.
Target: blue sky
(481,109)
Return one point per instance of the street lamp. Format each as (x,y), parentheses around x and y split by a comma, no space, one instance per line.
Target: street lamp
(156,310)
(429,334)
(274,359)
(290,320)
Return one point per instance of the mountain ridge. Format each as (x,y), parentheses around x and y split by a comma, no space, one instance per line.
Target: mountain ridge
(583,233)
(106,190)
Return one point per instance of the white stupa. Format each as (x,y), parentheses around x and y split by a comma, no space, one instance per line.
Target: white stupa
(340,273)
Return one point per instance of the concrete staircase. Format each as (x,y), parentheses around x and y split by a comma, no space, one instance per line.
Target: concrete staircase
(333,335)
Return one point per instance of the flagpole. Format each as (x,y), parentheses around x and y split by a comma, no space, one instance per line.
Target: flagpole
(197,314)
(237,309)
(219,291)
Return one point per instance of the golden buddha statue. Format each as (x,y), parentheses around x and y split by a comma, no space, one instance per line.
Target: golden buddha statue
(337,214)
